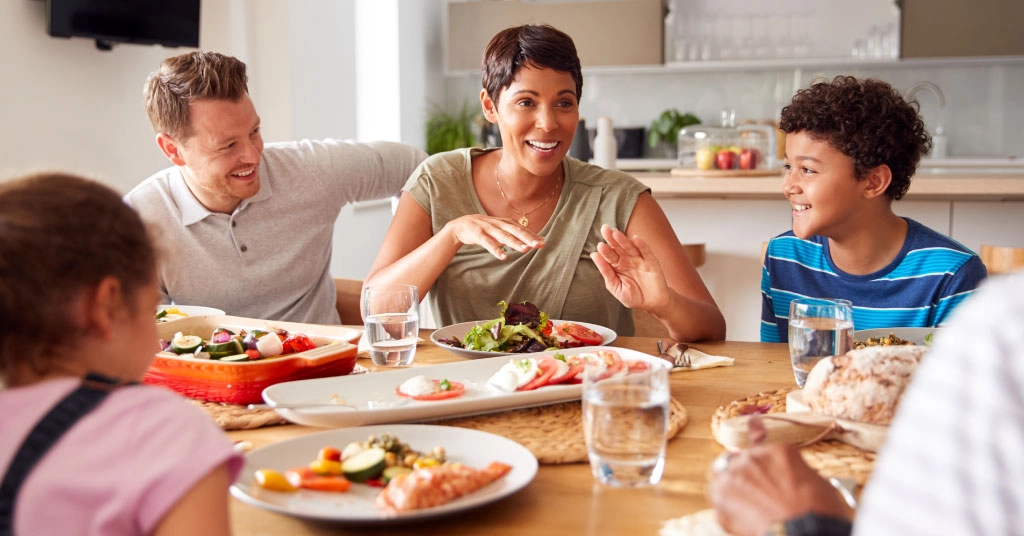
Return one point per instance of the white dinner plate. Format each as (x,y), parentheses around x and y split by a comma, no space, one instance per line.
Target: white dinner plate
(458,331)
(464,445)
(373,399)
(190,310)
(914,335)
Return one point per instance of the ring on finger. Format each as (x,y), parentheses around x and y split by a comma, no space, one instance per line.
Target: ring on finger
(721,462)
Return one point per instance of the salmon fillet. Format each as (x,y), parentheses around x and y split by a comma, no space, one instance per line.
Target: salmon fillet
(434,486)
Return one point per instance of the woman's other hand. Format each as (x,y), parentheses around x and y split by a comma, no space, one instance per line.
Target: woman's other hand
(493,234)
(631,271)
(767,484)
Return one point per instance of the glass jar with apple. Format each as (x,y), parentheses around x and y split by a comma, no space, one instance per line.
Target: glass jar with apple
(746,147)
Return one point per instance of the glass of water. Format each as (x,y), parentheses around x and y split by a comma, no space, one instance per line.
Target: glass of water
(392,320)
(625,423)
(818,328)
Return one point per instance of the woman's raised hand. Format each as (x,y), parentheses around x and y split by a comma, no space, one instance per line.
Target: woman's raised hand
(631,271)
(494,234)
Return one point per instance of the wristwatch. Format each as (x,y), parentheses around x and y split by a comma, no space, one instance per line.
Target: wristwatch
(777,529)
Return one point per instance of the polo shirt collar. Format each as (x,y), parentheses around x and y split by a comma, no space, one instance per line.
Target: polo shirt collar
(192,211)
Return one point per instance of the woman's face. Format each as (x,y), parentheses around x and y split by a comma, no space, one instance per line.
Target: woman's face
(537,115)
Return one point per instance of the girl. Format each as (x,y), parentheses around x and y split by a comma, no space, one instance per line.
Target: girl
(86,449)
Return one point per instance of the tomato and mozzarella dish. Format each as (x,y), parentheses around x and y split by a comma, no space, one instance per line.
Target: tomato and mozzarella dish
(528,373)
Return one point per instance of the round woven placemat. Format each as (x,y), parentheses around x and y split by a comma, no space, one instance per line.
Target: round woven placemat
(830,458)
(553,433)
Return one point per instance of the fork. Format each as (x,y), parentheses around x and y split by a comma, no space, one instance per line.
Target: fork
(676,354)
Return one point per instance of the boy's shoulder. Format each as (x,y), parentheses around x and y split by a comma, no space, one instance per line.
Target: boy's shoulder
(921,236)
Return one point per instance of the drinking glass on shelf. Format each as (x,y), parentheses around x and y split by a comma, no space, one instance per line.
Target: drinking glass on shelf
(391,316)
(625,424)
(818,328)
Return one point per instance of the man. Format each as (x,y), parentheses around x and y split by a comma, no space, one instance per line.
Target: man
(243,227)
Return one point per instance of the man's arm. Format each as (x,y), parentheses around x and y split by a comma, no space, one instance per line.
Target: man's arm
(349,171)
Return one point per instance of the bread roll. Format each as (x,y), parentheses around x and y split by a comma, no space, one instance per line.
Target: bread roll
(862,385)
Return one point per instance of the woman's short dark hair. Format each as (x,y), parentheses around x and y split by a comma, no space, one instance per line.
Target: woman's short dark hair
(531,44)
(867,120)
(59,236)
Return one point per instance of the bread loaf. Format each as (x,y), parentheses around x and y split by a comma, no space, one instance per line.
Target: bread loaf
(862,385)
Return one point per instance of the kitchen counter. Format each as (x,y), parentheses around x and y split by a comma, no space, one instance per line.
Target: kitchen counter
(936,184)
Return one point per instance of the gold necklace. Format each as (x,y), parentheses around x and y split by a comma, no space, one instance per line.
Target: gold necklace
(523,219)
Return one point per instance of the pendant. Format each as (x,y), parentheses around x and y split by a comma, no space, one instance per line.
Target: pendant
(524,221)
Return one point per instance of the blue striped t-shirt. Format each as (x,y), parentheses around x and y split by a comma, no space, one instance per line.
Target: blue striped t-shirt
(931,275)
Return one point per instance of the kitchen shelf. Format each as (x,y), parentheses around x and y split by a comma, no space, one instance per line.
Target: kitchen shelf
(784,63)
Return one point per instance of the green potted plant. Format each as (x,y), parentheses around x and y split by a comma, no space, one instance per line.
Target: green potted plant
(447,131)
(664,130)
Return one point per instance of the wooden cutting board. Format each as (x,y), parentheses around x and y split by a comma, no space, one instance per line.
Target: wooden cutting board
(722,173)
(798,425)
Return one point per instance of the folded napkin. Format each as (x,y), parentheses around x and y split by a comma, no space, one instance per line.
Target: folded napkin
(699,360)
(702,523)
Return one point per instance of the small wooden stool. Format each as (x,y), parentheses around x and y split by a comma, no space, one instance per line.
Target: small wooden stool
(1002,259)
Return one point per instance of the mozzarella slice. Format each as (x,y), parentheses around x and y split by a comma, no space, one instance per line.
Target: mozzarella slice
(417,386)
(514,374)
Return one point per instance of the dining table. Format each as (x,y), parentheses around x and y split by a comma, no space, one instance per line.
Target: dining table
(565,498)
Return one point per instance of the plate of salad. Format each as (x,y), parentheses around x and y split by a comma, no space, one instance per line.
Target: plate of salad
(521,328)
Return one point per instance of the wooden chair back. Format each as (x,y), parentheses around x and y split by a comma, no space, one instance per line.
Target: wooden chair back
(348,292)
(1002,259)
(645,323)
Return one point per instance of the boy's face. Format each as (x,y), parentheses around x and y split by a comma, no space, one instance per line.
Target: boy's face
(821,186)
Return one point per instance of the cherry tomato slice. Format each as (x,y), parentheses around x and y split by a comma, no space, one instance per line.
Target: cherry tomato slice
(547,368)
(575,367)
(456,390)
(637,366)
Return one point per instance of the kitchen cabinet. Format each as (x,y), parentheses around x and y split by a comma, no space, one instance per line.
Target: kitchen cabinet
(958,28)
(611,32)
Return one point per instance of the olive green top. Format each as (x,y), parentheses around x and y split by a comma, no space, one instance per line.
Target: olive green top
(560,277)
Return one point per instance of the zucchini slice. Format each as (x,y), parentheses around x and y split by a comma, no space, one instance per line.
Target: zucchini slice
(365,465)
(224,349)
(185,344)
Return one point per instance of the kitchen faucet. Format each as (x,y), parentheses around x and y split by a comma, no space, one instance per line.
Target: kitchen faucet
(934,89)
(939,147)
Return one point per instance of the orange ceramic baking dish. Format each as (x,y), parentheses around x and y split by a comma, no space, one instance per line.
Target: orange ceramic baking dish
(243,382)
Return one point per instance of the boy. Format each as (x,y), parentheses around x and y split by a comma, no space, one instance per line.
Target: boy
(851,147)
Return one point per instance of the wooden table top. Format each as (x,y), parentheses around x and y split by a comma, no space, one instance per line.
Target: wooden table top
(564,499)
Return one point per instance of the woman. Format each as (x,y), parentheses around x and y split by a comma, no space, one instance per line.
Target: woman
(525,222)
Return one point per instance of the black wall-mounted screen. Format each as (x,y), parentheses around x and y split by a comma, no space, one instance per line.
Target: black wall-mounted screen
(170,23)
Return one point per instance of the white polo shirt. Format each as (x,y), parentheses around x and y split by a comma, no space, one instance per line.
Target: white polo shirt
(271,257)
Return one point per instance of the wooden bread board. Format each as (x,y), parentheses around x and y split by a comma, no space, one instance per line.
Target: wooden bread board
(722,173)
(798,425)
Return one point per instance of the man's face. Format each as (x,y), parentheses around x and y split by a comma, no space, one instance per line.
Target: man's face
(222,157)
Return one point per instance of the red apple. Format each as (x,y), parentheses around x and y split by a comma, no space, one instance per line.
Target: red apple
(749,158)
(725,159)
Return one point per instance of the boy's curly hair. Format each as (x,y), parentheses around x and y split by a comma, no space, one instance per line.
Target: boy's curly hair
(867,120)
